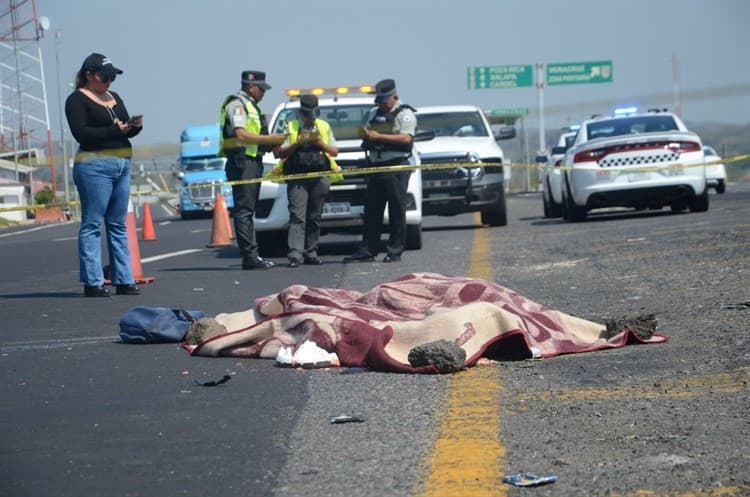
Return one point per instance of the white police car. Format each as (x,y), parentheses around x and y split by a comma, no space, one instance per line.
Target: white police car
(344,207)
(644,160)
(552,175)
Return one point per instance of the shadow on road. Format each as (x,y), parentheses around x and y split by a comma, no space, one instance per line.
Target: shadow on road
(603,217)
(42,295)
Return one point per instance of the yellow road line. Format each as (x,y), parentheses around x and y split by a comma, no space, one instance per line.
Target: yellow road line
(732,382)
(733,491)
(468,457)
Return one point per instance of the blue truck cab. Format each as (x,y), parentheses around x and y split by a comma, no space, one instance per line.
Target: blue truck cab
(201,171)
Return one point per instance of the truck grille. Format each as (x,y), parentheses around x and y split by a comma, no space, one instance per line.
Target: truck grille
(204,192)
(352,189)
(442,178)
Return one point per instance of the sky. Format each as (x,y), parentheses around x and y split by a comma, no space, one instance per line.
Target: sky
(182,57)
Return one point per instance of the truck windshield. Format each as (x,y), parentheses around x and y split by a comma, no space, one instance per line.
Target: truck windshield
(344,119)
(452,123)
(212,164)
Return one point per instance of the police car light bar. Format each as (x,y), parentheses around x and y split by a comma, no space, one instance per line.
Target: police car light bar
(336,90)
(625,111)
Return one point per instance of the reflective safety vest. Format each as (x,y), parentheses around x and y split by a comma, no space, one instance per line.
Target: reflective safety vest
(228,142)
(324,129)
(384,122)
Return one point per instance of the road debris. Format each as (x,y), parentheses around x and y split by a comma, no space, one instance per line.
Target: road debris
(529,480)
(213,383)
(345,419)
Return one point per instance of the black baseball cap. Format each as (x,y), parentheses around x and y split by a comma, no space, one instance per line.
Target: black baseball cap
(255,78)
(97,62)
(383,90)
(308,104)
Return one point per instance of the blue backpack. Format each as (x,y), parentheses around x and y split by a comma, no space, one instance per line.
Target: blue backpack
(141,324)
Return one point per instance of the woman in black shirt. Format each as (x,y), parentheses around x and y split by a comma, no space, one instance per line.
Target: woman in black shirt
(101,125)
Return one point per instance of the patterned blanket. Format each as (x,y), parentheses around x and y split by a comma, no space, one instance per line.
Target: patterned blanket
(377,329)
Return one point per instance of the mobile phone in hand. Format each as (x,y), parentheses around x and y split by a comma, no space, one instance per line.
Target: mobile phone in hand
(134,119)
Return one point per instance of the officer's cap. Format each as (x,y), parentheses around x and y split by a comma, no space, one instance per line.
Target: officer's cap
(97,62)
(384,89)
(255,78)
(308,104)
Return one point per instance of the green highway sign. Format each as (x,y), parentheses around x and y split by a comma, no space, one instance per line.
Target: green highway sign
(509,112)
(573,73)
(489,77)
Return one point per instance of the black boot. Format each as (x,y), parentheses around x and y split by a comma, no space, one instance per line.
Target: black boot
(95,291)
(127,290)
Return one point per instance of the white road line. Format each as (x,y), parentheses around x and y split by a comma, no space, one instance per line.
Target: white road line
(54,344)
(168,255)
(45,226)
(166,209)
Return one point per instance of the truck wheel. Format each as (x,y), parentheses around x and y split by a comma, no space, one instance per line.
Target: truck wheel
(575,213)
(699,203)
(186,215)
(272,243)
(413,236)
(498,214)
(721,187)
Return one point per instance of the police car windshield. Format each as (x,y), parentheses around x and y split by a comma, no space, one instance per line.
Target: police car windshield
(344,119)
(630,125)
(193,165)
(452,123)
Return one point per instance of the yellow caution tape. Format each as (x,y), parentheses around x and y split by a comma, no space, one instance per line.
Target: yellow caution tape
(363,171)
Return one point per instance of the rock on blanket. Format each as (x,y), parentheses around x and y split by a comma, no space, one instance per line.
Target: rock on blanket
(377,329)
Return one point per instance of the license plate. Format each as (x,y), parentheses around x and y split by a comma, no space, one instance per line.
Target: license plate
(638,176)
(337,208)
(439,195)
(437,183)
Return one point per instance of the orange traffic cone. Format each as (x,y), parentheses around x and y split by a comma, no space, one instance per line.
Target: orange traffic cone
(147,233)
(135,251)
(229,222)
(220,231)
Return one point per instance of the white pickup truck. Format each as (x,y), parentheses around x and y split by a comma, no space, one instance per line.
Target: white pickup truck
(463,136)
(344,207)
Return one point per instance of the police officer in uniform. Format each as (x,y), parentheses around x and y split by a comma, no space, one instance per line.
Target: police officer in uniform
(245,138)
(387,137)
(309,148)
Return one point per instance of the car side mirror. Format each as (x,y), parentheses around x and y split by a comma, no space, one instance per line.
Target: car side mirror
(178,174)
(424,136)
(559,150)
(505,133)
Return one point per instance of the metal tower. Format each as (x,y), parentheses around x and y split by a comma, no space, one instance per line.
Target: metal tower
(24,116)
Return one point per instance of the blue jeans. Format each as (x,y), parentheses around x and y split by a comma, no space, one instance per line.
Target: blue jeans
(103,184)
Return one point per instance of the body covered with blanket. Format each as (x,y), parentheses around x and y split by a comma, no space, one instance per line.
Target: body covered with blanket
(378,328)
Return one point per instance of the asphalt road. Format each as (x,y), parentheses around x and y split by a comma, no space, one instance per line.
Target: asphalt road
(84,415)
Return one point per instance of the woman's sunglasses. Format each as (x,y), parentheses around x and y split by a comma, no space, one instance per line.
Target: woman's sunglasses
(105,79)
